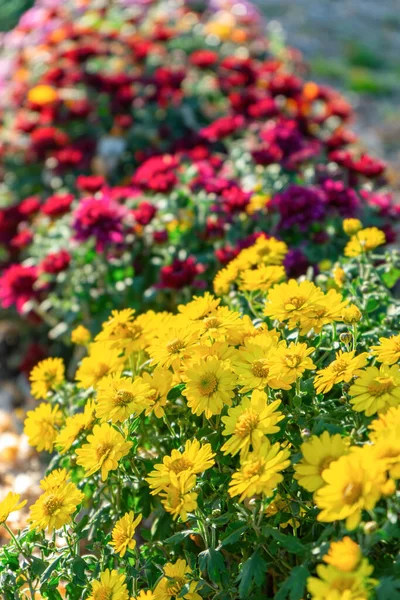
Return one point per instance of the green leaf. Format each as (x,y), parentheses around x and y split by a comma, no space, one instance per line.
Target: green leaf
(389,587)
(391,277)
(50,569)
(213,562)
(178,537)
(37,566)
(78,569)
(252,573)
(234,535)
(289,542)
(175,392)
(294,586)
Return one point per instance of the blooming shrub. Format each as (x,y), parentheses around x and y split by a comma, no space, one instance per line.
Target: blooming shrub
(142,157)
(245,447)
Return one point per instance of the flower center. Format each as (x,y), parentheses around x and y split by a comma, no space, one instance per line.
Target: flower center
(343,585)
(180,464)
(254,468)
(104,593)
(324,464)
(123,398)
(175,585)
(380,386)
(52,504)
(175,346)
(259,368)
(295,303)
(49,377)
(352,493)
(103,450)
(246,424)
(292,361)
(208,384)
(212,323)
(339,366)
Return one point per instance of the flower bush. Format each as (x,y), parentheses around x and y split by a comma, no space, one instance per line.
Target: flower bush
(246,446)
(142,150)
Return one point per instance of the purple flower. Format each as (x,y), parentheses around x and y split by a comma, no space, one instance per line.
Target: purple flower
(300,206)
(342,199)
(101,218)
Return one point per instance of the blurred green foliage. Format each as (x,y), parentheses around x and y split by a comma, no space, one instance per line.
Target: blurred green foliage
(11,11)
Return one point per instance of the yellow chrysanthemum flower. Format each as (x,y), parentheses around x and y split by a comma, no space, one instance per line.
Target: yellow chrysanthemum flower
(290,301)
(388,350)
(345,366)
(210,385)
(265,251)
(219,324)
(11,503)
(119,397)
(345,555)
(339,276)
(334,584)
(179,499)
(328,309)
(176,576)
(288,363)
(144,595)
(375,390)
(352,483)
(261,279)
(351,314)
(351,226)
(42,95)
(80,335)
(224,279)
(55,507)
(102,361)
(199,307)
(40,426)
(252,365)
(388,421)
(126,333)
(110,586)
(260,472)
(194,459)
(160,383)
(123,534)
(364,240)
(387,449)
(172,346)
(318,453)
(74,426)
(249,422)
(104,448)
(47,375)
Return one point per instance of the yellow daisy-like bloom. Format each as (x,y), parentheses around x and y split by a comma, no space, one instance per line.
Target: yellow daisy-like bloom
(265,251)
(318,453)
(80,335)
(55,479)
(334,584)
(199,307)
(252,365)
(105,447)
(345,366)
(261,279)
(102,361)
(339,276)
(249,422)
(290,362)
(225,278)
(375,390)
(123,534)
(364,240)
(387,449)
(352,483)
(11,503)
(257,202)
(351,314)
(179,499)
(42,95)
(194,459)
(47,375)
(74,426)
(221,350)
(219,324)
(351,226)
(144,595)
(40,426)
(176,576)
(172,346)
(125,333)
(345,555)
(387,422)
(388,350)
(328,309)
(119,397)
(291,301)
(210,385)
(260,472)
(160,383)
(110,586)
(55,507)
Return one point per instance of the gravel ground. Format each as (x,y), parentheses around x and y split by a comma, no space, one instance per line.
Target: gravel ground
(353,45)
